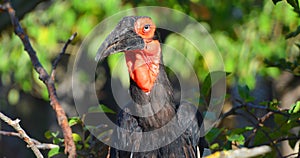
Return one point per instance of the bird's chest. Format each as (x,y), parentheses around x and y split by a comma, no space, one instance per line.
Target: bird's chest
(155,116)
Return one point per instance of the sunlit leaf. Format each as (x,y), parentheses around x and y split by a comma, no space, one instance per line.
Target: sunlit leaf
(53,152)
(295,108)
(13,96)
(57,140)
(76,137)
(239,138)
(74,121)
(48,135)
(241,130)
(214,146)
(100,108)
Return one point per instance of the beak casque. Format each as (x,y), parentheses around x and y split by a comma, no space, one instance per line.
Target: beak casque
(123,38)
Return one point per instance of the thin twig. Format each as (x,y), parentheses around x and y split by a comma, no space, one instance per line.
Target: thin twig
(280,140)
(5,133)
(260,124)
(265,117)
(264,132)
(45,146)
(38,144)
(44,76)
(22,134)
(58,58)
(293,154)
(108,152)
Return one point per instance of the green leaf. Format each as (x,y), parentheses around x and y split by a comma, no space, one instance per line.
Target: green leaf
(213,134)
(214,146)
(74,120)
(76,137)
(56,141)
(294,117)
(48,135)
(241,130)
(79,146)
(244,92)
(55,134)
(239,138)
(100,109)
(293,142)
(294,4)
(248,128)
(280,119)
(53,152)
(211,79)
(295,108)
(13,96)
(227,145)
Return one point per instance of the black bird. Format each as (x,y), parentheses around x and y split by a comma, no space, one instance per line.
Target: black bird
(153,105)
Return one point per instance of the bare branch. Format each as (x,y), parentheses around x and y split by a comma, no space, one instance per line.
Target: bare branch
(293,154)
(5,133)
(249,105)
(44,76)
(257,126)
(21,133)
(45,146)
(243,152)
(63,51)
(108,152)
(38,144)
(58,58)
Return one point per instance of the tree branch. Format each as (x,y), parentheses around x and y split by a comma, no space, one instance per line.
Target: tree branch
(47,80)
(260,121)
(58,58)
(243,152)
(21,133)
(38,144)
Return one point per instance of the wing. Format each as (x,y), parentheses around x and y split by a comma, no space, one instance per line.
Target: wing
(125,140)
(185,146)
(186,112)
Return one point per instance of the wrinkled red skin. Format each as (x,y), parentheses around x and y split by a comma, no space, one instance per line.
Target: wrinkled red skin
(143,65)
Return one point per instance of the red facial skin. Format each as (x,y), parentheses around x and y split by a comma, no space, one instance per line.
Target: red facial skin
(143,65)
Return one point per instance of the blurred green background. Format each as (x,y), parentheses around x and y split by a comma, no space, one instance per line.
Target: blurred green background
(247,32)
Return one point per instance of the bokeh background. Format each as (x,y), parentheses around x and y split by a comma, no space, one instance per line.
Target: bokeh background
(250,34)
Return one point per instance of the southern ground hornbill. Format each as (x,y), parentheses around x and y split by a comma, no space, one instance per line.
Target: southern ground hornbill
(153,105)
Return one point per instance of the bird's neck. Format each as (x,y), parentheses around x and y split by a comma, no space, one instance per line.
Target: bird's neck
(155,108)
(150,87)
(161,89)
(143,65)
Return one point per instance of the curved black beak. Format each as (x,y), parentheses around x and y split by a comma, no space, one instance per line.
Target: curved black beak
(123,38)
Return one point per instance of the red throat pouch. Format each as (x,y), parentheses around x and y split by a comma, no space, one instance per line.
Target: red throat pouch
(143,65)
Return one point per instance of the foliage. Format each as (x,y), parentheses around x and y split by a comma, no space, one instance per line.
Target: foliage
(252,37)
(260,132)
(86,143)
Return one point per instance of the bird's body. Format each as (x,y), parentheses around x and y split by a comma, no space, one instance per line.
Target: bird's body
(153,105)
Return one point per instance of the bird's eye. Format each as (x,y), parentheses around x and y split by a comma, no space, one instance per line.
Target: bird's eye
(146,28)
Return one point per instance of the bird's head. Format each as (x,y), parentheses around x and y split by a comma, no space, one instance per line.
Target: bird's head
(135,36)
